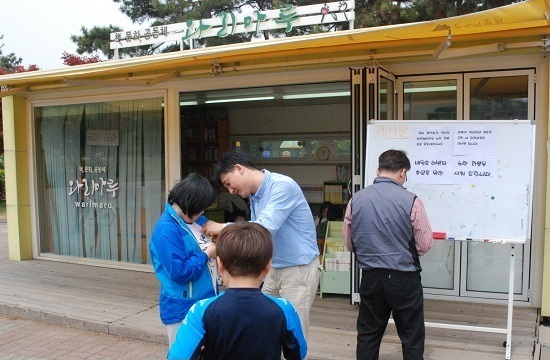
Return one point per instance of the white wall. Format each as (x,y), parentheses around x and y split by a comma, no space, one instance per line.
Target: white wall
(321,119)
(290,119)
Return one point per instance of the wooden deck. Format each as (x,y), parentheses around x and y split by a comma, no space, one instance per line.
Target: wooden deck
(333,331)
(124,303)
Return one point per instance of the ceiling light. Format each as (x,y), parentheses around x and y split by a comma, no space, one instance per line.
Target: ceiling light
(430,89)
(216,101)
(188,103)
(316,95)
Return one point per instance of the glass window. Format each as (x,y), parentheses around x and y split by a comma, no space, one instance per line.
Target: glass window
(438,266)
(488,268)
(430,100)
(310,123)
(500,98)
(298,149)
(100,169)
(386,96)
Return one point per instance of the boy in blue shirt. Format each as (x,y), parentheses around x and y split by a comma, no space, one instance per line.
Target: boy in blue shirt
(242,322)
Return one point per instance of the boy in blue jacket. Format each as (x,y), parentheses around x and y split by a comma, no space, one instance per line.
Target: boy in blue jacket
(183,257)
(242,322)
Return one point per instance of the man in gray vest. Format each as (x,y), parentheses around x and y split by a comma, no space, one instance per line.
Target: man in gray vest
(388,229)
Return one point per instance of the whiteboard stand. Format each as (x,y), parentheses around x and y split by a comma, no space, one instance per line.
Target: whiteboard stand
(448,157)
(510,301)
(508,329)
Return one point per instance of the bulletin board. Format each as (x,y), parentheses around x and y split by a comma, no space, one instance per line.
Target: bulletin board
(475,178)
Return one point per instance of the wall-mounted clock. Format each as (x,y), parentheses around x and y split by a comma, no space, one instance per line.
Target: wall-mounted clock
(323,153)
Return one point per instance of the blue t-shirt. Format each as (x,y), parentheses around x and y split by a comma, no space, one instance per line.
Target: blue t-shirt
(240,323)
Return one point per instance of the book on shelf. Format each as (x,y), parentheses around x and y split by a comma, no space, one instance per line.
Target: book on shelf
(335,193)
(340,262)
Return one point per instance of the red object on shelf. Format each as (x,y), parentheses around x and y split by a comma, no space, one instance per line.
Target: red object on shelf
(439,235)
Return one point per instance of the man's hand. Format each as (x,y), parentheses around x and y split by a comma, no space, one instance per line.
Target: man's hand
(212,229)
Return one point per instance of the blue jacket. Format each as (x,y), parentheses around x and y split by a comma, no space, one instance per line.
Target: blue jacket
(180,266)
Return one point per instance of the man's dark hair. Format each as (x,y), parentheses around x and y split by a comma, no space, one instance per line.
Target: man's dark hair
(227,164)
(193,194)
(244,248)
(394,160)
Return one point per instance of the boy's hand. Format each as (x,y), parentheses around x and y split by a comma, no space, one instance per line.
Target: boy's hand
(211,251)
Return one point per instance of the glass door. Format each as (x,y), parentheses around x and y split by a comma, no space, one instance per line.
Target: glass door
(372,98)
(503,95)
(386,95)
(469,269)
(435,98)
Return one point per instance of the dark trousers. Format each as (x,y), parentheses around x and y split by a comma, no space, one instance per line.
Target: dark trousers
(384,292)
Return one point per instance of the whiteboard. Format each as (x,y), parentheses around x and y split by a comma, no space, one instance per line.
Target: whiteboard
(474,177)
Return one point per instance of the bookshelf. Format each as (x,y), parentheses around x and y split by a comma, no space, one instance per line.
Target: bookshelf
(205,137)
(336,262)
(336,192)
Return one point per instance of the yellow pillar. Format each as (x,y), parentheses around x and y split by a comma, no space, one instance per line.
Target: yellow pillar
(545,304)
(16,156)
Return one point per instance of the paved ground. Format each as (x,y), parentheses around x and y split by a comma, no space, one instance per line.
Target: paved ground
(22,339)
(26,339)
(113,314)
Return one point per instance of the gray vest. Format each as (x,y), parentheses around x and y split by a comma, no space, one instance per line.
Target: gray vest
(381,229)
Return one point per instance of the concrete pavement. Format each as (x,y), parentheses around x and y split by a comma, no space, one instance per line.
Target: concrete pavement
(27,339)
(75,298)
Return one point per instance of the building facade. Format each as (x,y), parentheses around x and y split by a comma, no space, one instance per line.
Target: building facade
(91,150)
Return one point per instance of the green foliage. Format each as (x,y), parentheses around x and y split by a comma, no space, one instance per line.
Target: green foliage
(388,12)
(10,62)
(367,14)
(94,40)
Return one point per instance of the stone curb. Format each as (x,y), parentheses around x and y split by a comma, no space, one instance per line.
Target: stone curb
(83,324)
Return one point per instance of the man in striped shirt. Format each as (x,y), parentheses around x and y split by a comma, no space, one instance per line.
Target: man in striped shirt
(388,229)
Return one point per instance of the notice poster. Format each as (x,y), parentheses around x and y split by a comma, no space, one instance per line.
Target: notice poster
(431,170)
(474,170)
(479,140)
(433,140)
(453,155)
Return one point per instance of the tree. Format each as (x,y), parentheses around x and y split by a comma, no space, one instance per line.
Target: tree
(73,59)
(9,64)
(12,64)
(387,12)
(368,13)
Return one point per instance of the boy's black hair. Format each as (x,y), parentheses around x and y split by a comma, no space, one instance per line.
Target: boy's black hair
(324,205)
(192,194)
(335,213)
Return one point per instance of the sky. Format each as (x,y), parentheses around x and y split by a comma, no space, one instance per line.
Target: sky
(39,31)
